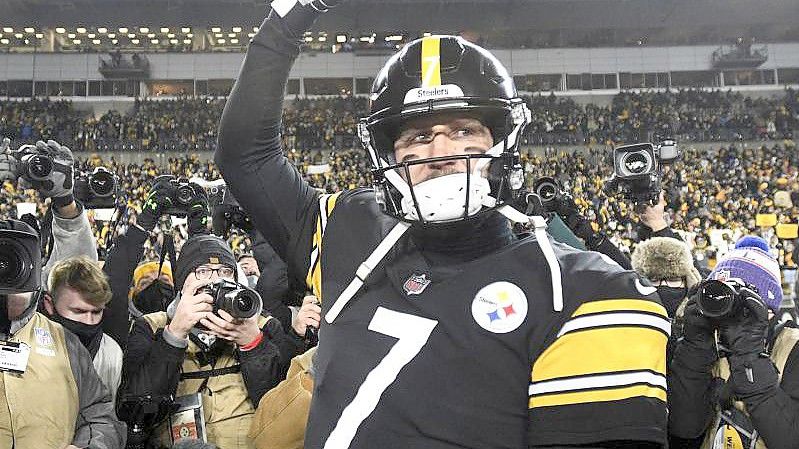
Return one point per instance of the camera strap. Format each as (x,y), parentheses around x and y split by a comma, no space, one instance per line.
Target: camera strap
(205,374)
(168,248)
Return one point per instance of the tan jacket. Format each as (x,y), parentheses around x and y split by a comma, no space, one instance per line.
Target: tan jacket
(282,413)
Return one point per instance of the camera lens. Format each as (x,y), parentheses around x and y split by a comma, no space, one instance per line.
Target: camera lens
(38,166)
(242,303)
(102,183)
(716,299)
(636,163)
(185,194)
(13,270)
(546,190)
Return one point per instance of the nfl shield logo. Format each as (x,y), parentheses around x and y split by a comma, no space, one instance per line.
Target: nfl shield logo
(416,284)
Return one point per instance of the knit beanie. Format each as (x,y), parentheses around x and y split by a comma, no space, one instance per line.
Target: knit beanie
(751,262)
(200,250)
(661,258)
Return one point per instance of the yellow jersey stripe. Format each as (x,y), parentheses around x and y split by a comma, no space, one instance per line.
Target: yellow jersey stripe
(604,395)
(602,350)
(431,61)
(313,280)
(620,305)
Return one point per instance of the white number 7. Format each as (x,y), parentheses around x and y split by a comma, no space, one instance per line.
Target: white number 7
(412,333)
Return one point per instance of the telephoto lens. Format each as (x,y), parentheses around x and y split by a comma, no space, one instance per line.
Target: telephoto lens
(20,258)
(36,166)
(717,299)
(102,182)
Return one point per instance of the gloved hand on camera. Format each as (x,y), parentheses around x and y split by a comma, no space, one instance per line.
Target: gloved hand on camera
(198,212)
(58,184)
(158,201)
(744,336)
(697,339)
(567,210)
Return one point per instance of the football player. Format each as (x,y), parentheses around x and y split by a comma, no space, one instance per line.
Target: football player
(440,329)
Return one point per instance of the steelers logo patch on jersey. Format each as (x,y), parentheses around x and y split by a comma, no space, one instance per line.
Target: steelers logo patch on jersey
(499,307)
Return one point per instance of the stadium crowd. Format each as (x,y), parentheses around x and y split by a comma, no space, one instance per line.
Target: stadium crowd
(188,124)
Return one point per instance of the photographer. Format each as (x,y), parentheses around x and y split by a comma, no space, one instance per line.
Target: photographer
(149,293)
(71,232)
(193,348)
(734,374)
(52,396)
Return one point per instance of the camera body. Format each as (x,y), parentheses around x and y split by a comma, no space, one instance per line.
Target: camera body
(96,190)
(228,214)
(550,193)
(638,170)
(181,192)
(239,301)
(20,258)
(724,300)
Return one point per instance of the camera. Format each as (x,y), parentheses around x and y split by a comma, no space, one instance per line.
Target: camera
(20,258)
(96,190)
(229,214)
(721,300)
(549,191)
(181,192)
(239,301)
(36,167)
(638,170)
(143,414)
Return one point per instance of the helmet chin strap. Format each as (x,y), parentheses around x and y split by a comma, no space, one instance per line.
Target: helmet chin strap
(542,238)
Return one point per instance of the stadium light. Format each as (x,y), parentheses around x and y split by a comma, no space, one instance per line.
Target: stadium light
(393,38)
(237,29)
(220,41)
(187,41)
(81,30)
(131,35)
(190,35)
(76,41)
(30,30)
(151,35)
(234,41)
(102,30)
(250,35)
(96,41)
(91,35)
(308,38)
(8,30)
(231,35)
(144,30)
(112,35)
(254,29)
(185,30)
(123,30)
(72,35)
(164,30)
(427,34)
(114,41)
(322,38)
(60,30)
(134,41)
(4,41)
(154,41)
(171,35)
(18,35)
(218,35)
(341,38)
(366,39)
(216,30)
(173,41)
(39,36)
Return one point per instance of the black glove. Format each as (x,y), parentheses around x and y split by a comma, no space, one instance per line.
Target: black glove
(579,225)
(198,212)
(58,184)
(697,342)
(300,18)
(744,338)
(158,200)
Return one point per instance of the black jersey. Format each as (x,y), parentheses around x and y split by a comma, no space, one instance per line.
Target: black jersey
(442,357)
(474,355)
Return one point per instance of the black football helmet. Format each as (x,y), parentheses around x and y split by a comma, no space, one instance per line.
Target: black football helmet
(434,75)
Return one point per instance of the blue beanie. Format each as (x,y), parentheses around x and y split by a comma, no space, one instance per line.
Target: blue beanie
(751,262)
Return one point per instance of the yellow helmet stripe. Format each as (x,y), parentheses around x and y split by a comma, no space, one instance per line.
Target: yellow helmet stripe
(431,61)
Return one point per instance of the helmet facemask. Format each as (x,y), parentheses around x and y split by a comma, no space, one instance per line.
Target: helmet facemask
(483,182)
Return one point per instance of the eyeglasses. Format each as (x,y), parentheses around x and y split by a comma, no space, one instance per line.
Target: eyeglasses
(205,273)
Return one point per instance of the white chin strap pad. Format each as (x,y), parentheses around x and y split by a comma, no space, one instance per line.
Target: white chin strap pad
(444,198)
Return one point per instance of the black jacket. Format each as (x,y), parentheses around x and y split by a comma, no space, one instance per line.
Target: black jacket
(693,392)
(123,257)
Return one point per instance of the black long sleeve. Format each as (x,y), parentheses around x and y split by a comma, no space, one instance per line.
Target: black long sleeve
(151,365)
(280,202)
(691,392)
(123,257)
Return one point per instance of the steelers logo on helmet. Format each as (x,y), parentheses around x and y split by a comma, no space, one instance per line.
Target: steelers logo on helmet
(433,77)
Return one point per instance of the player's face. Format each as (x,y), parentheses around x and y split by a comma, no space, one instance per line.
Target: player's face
(448,134)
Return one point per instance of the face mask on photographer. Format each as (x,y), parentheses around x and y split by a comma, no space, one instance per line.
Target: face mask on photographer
(671,297)
(154,298)
(252,281)
(89,335)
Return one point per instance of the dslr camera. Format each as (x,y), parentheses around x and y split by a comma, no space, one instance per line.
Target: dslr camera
(20,258)
(638,170)
(724,300)
(36,167)
(181,192)
(239,301)
(227,214)
(96,190)
(550,193)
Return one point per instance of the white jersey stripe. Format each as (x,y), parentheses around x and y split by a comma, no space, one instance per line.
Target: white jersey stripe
(597,381)
(616,319)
